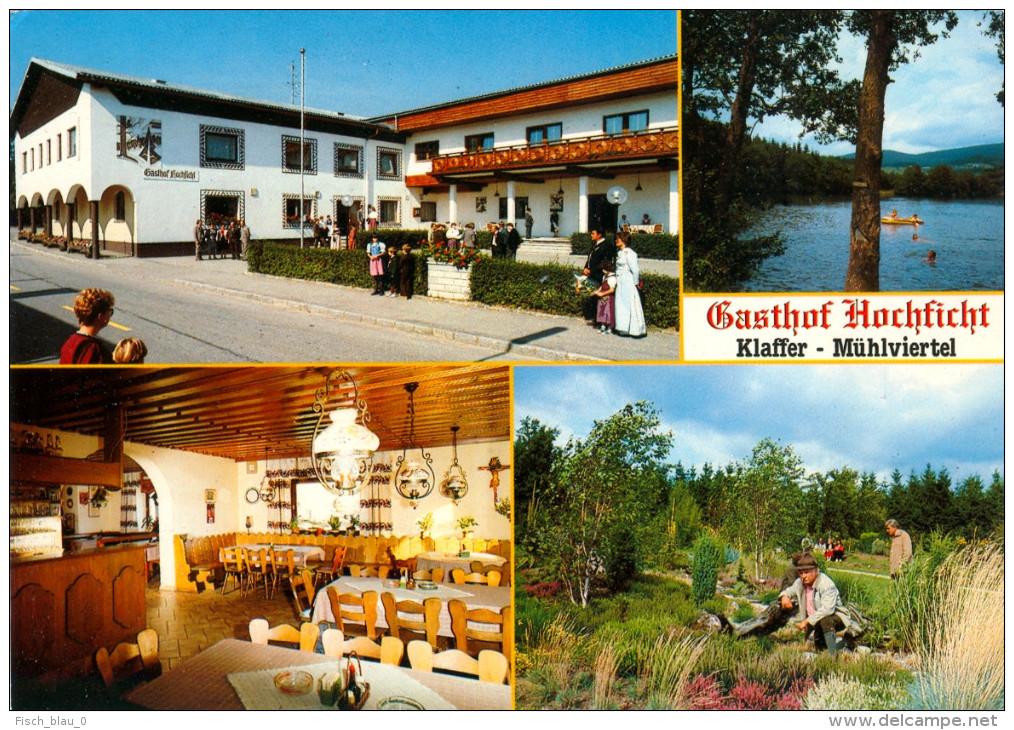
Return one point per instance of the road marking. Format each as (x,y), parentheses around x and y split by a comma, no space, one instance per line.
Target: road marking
(111,323)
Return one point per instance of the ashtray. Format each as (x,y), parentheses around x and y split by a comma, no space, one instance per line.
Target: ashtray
(399,703)
(426,585)
(293,682)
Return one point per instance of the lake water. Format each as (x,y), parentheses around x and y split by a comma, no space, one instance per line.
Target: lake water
(966,235)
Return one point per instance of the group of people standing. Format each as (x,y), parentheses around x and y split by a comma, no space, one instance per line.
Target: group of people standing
(451,236)
(393,272)
(616,306)
(221,240)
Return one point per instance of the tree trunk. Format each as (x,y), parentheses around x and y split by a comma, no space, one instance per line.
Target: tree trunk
(864,232)
(738,114)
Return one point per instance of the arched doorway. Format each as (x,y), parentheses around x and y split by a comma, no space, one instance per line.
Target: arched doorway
(116,219)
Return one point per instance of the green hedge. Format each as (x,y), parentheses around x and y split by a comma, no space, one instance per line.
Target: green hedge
(661,246)
(392,236)
(348,268)
(550,288)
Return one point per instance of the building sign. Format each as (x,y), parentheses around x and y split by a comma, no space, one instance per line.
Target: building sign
(139,139)
(161,173)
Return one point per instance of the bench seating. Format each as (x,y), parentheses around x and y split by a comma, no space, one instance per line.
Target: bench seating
(199,567)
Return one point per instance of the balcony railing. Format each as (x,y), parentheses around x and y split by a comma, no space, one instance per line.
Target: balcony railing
(571,151)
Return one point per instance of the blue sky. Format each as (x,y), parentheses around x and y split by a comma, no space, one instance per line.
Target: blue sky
(943,99)
(868,417)
(359,62)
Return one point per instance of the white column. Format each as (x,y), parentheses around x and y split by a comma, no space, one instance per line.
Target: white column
(452,203)
(510,204)
(674,202)
(582,204)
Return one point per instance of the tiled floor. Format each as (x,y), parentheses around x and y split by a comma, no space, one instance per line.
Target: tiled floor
(190,622)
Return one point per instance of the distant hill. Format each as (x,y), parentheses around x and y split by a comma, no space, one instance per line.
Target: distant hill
(978,157)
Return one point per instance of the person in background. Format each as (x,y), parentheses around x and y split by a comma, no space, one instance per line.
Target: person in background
(244,239)
(529,222)
(901,548)
(819,608)
(377,250)
(371,218)
(513,242)
(93,309)
(605,317)
(130,350)
(468,236)
(931,257)
(406,271)
(554,223)
(354,224)
(646,220)
(453,236)
(393,271)
(198,240)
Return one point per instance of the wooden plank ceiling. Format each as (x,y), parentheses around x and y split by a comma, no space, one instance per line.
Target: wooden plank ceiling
(245,413)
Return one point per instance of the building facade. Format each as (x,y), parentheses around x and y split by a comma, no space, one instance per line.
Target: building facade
(132,163)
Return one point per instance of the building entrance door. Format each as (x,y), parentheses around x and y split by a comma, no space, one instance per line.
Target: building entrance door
(602,215)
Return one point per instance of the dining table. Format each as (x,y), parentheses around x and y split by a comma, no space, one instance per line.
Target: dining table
(474,596)
(238,675)
(301,553)
(449,561)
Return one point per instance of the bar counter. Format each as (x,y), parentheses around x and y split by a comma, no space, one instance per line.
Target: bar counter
(63,608)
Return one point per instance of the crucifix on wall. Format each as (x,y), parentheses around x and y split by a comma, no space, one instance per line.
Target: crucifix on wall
(494,468)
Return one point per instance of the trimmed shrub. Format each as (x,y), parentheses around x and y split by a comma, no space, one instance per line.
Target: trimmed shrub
(866,541)
(661,246)
(709,557)
(550,288)
(393,236)
(348,268)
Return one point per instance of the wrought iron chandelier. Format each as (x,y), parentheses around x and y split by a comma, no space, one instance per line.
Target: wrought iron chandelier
(455,484)
(342,453)
(413,478)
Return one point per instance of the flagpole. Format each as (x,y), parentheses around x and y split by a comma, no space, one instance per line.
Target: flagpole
(302,195)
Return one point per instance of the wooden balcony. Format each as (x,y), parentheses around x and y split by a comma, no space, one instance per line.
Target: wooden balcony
(652,143)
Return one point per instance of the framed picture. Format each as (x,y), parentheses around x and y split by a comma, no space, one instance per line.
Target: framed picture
(93,509)
(211,513)
(555,202)
(82,498)
(209,496)
(480,204)
(251,467)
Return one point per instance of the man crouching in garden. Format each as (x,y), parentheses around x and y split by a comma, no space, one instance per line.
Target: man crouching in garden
(819,607)
(811,603)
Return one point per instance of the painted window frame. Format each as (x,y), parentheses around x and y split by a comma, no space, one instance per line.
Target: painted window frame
(625,121)
(474,142)
(543,129)
(341,150)
(309,154)
(239,163)
(389,153)
(389,222)
(291,198)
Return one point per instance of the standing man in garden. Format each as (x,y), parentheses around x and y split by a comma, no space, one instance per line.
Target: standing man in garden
(901,548)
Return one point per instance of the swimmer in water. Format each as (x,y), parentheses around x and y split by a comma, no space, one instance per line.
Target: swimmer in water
(931,257)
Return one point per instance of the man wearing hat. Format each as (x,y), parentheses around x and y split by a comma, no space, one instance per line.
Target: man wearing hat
(818,605)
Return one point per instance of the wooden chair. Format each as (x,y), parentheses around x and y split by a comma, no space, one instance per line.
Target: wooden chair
(493,577)
(479,578)
(390,650)
(303,591)
(352,611)
(232,561)
(491,666)
(458,576)
(333,641)
(421,622)
(657,228)
(283,565)
(334,571)
(471,637)
(306,635)
(257,570)
(364,571)
(128,664)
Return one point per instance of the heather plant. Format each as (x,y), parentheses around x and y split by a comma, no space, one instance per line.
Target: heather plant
(840,692)
(709,558)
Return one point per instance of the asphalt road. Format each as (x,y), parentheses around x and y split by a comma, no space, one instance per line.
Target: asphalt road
(181,324)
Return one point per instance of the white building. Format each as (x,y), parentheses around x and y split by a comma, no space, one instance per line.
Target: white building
(132,163)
